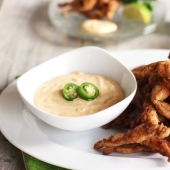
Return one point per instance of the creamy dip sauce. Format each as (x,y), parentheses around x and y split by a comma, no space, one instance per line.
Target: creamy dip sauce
(100,27)
(49,98)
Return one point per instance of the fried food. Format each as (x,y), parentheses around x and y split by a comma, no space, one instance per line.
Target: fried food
(111,9)
(132,136)
(149,128)
(120,121)
(161,146)
(78,5)
(94,9)
(126,149)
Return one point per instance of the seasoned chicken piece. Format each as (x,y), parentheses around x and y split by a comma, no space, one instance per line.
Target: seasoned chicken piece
(162,131)
(150,128)
(96,9)
(126,149)
(137,135)
(163,69)
(158,96)
(120,121)
(78,5)
(143,72)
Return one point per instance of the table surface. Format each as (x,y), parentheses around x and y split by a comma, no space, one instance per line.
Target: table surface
(27,39)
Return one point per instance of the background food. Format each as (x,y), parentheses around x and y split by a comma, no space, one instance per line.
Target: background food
(98,9)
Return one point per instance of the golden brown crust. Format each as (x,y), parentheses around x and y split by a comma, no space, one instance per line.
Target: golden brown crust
(94,9)
(150,128)
(127,149)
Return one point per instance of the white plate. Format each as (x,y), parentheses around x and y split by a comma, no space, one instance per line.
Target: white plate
(68,149)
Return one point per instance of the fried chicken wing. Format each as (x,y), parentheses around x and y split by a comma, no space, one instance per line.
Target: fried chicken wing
(158,96)
(143,72)
(96,9)
(149,129)
(112,8)
(163,69)
(127,149)
(137,135)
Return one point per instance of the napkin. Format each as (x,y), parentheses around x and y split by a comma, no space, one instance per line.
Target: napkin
(32,163)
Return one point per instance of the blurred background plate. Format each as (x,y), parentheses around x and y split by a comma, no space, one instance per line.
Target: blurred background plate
(70,24)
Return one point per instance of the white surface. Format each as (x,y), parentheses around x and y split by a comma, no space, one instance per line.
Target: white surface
(91,60)
(68,149)
(167,4)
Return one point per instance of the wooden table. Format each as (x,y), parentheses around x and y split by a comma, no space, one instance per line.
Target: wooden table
(27,39)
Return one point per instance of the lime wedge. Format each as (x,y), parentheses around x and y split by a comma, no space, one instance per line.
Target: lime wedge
(138,12)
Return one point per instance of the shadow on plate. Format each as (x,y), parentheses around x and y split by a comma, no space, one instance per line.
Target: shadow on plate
(82,141)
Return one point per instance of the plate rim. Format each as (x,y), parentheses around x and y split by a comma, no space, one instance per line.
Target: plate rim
(96,158)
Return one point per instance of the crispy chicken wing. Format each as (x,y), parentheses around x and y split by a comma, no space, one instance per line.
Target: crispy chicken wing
(127,149)
(150,127)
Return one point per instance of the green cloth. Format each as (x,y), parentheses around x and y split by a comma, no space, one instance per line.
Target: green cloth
(32,163)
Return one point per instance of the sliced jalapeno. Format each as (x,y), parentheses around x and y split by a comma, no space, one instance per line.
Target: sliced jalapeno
(70,91)
(88,91)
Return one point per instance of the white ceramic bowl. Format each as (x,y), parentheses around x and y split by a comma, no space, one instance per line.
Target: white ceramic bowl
(92,60)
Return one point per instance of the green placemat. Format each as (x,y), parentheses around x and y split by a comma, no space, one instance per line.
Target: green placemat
(32,163)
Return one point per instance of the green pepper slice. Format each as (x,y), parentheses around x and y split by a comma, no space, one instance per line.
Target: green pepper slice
(88,91)
(70,91)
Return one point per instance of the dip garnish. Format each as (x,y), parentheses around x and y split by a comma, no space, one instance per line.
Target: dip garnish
(88,91)
(70,91)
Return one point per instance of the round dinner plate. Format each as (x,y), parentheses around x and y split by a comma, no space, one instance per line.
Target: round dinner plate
(70,24)
(73,150)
